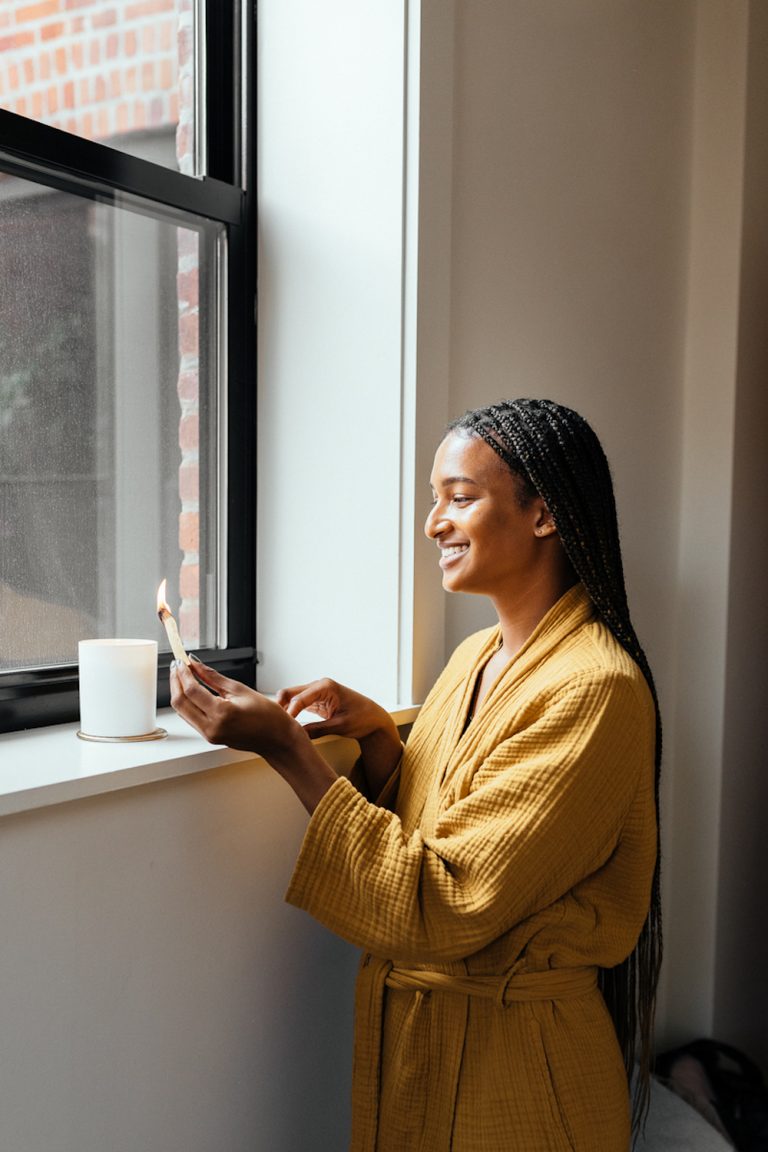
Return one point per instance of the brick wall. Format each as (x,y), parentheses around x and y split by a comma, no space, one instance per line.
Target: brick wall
(116,70)
(93,68)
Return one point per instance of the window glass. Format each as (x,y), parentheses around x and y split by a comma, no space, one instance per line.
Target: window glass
(109,353)
(117,71)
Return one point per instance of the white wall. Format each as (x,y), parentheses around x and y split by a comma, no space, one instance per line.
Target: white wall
(156,993)
(330,161)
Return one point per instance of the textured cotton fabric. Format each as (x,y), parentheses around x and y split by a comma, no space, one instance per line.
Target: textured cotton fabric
(521,842)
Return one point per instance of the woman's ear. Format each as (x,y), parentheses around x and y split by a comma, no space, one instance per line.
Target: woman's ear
(545,524)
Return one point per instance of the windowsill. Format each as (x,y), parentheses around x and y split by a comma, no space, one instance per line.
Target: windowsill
(47,766)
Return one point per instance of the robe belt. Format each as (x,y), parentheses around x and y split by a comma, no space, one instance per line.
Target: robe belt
(514,987)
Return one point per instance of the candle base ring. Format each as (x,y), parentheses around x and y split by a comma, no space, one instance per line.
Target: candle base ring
(157,734)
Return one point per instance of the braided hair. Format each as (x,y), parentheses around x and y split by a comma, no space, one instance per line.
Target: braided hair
(556,455)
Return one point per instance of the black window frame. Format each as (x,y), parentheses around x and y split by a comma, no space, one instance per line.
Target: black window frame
(38,697)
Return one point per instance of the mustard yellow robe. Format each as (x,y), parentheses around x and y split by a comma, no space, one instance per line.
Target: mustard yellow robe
(518,858)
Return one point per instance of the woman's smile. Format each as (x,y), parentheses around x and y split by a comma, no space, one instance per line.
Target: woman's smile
(451,553)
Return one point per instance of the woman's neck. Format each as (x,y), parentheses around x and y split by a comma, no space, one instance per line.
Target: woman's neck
(520,614)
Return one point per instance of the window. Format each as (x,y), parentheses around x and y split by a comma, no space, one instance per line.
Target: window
(126,338)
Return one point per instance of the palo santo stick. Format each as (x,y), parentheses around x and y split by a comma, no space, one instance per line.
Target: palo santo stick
(171,628)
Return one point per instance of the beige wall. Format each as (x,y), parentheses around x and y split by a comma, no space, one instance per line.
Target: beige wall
(741,980)
(609,251)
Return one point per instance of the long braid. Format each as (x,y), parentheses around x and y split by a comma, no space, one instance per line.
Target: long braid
(557,455)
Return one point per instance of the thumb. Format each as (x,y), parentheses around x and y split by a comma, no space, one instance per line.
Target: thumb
(321,727)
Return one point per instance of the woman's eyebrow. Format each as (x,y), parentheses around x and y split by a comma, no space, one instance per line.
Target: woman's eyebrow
(458,480)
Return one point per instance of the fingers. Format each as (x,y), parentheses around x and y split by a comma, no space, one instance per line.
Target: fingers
(284,696)
(321,696)
(183,703)
(222,685)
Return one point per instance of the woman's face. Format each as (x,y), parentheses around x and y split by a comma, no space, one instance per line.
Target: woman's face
(489,544)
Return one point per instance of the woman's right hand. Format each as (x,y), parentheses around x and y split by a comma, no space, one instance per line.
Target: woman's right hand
(343,712)
(348,713)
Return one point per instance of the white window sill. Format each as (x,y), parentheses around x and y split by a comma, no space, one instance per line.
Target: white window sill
(46,766)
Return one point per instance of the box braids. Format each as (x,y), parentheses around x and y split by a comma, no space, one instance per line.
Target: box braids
(556,454)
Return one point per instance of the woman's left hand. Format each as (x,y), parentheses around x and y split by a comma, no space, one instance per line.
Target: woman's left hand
(236,716)
(244,719)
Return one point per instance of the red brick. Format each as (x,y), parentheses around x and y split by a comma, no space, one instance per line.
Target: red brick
(148,39)
(37,105)
(147,76)
(77,56)
(35,12)
(189,482)
(60,57)
(148,8)
(44,64)
(187,285)
(94,52)
(103,122)
(53,98)
(13,77)
(69,4)
(130,79)
(115,83)
(123,117)
(29,71)
(99,88)
(21,106)
(69,94)
(167,74)
(189,432)
(173,109)
(104,19)
(189,581)
(189,531)
(167,35)
(129,43)
(188,386)
(52,31)
(113,45)
(189,335)
(139,114)
(88,126)
(189,624)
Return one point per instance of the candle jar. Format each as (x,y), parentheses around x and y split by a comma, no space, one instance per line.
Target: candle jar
(118,690)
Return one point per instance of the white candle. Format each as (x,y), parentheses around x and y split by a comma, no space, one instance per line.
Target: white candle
(118,687)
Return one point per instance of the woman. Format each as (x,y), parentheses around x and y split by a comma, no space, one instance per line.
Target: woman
(501,872)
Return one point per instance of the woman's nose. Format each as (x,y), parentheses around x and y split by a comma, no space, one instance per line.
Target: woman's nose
(435,522)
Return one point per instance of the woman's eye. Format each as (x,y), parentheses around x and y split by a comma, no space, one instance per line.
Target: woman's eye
(460,499)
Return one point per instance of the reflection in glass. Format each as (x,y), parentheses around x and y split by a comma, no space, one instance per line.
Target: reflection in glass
(107,423)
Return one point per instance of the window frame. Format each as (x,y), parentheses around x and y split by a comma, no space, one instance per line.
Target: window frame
(37,697)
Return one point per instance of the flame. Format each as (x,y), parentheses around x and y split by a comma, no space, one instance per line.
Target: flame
(162,603)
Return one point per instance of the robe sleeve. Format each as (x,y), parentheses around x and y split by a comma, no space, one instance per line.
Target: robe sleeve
(545,810)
